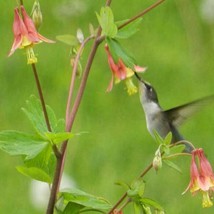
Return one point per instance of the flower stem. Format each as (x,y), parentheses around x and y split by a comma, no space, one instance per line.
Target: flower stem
(70,120)
(71,116)
(39,88)
(21,2)
(73,78)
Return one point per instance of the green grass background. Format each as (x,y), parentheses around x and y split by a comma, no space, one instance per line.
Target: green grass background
(176,45)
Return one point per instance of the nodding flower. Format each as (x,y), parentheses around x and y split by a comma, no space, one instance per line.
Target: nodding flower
(121,72)
(201,177)
(25,34)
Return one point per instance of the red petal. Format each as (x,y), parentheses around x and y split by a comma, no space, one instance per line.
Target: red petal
(19,30)
(110,86)
(17,42)
(45,39)
(139,68)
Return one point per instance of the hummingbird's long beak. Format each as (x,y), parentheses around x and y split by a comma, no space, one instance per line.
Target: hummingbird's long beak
(138,77)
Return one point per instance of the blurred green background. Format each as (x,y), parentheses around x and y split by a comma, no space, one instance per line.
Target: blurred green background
(175,42)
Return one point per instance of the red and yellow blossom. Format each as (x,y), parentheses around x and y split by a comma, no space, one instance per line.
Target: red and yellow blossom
(121,72)
(25,34)
(202,177)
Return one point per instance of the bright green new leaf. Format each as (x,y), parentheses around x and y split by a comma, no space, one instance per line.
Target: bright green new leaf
(68,39)
(129,30)
(168,138)
(137,189)
(34,173)
(106,21)
(57,138)
(152,203)
(172,165)
(118,52)
(177,149)
(85,199)
(123,184)
(18,143)
(158,138)
(137,208)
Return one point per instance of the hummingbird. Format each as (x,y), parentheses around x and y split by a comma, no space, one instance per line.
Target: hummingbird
(165,121)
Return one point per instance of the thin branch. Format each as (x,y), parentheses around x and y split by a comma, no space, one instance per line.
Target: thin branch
(145,171)
(39,88)
(74,74)
(141,13)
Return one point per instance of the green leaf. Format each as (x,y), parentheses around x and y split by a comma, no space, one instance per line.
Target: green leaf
(35,114)
(123,184)
(85,199)
(45,161)
(137,208)
(72,208)
(34,173)
(118,52)
(137,189)
(57,138)
(168,138)
(106,21)
(129,30)
(177,149)
(158,138)
(19,143)
(173,165)
(68,39)
(152,203)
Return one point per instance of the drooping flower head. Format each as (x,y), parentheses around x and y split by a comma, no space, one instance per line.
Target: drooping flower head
(25,34)
(121,72)
(201,177)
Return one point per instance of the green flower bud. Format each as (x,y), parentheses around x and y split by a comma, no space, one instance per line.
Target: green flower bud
(36,14)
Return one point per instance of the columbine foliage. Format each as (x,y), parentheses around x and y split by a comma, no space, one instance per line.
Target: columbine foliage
(36,149)
(76,201)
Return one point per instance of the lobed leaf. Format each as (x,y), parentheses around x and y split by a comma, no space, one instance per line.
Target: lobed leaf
(152,203)
(35,114)
(57,138)
(68,39)
(106,21)
(87,200)
(129,30)
(19,143)
(34,173)
(173,165)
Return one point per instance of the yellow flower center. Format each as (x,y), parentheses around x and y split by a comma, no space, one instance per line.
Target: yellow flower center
(206,202)
(31,58)
(131,88)
(25,42)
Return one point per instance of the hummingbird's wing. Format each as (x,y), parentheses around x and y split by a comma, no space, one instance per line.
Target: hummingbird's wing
(180,114)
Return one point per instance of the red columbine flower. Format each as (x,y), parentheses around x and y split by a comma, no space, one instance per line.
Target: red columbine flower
(121,72)
(202,177)
(25,34)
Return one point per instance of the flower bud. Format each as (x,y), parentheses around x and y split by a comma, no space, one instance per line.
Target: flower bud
(157,161)
(80,36)
(36,14)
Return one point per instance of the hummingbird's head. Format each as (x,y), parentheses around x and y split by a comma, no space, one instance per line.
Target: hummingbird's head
(147,93)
